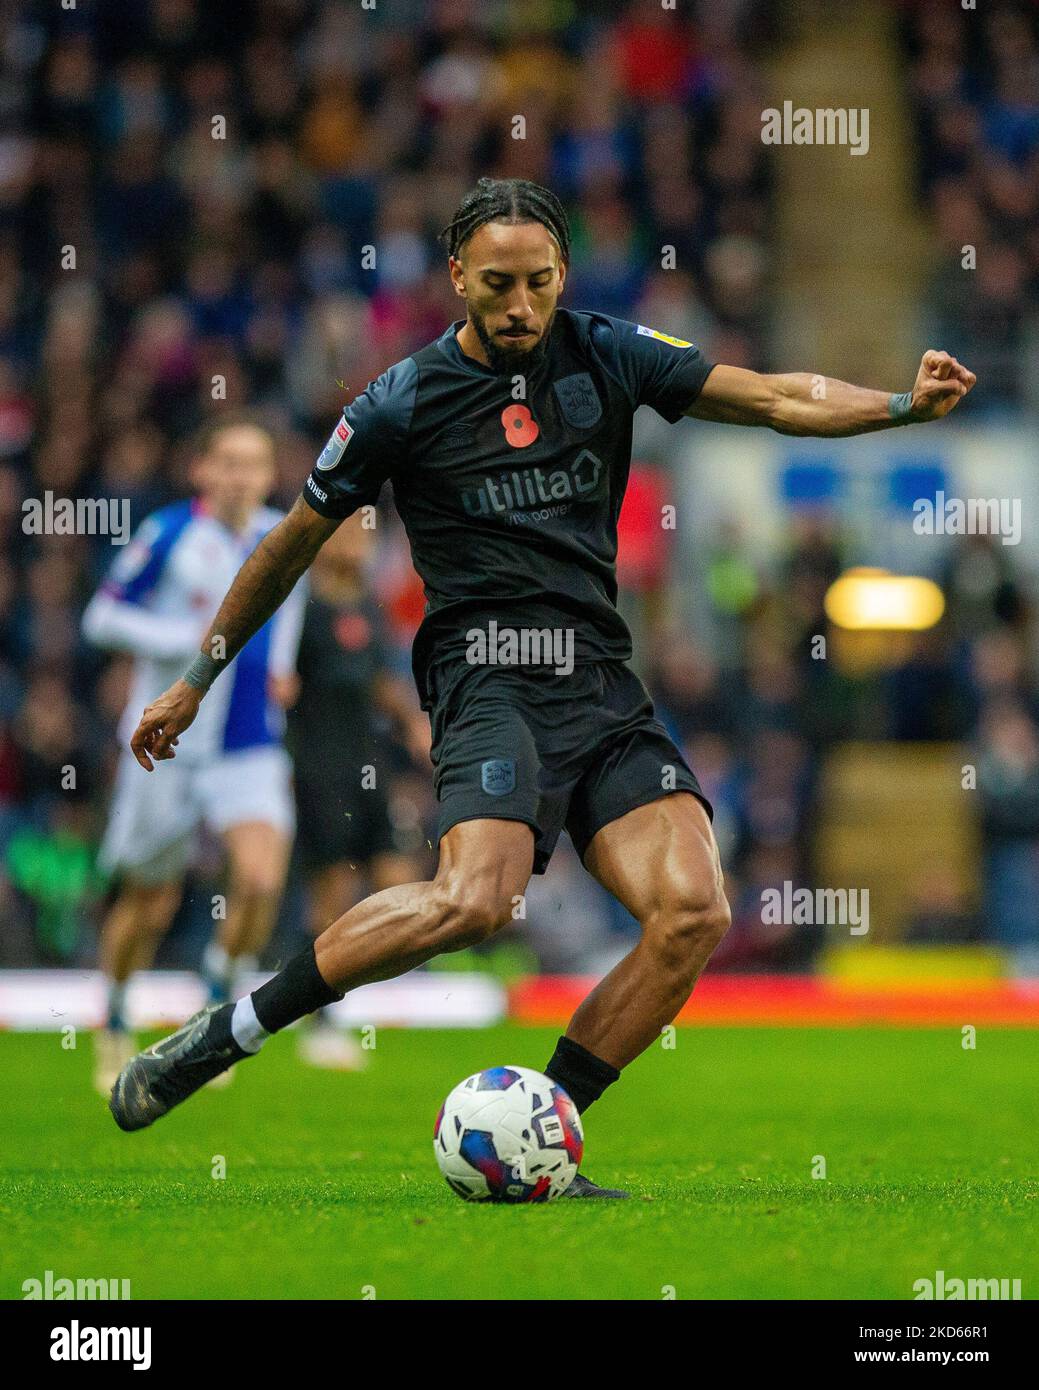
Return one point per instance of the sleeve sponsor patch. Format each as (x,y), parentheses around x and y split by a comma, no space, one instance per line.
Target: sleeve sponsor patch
(664,337)
(333,450)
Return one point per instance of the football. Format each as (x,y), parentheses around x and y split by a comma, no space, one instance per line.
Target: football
(508,1134)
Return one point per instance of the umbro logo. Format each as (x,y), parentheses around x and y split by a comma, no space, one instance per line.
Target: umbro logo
(459,434)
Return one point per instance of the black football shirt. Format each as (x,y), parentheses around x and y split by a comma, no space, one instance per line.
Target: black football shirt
(510,486)
(342,651)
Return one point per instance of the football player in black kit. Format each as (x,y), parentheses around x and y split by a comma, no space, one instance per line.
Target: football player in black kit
(507,443)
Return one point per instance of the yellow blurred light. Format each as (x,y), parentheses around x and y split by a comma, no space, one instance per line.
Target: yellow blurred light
(865,600)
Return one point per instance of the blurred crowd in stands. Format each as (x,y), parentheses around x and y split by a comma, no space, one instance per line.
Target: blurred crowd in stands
(187,210)
(758,724)
(975,94)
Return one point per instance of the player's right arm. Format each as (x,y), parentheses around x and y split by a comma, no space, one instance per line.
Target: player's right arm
(369,439)
(260,587)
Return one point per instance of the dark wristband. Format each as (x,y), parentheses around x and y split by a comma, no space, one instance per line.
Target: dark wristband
(202,672)
(900,408)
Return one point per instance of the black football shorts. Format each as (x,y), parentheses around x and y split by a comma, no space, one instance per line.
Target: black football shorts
(523,743)
(339,822)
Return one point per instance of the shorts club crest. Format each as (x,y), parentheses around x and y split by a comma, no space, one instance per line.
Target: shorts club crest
(498,776)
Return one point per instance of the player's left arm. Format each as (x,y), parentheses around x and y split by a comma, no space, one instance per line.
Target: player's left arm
(804,404)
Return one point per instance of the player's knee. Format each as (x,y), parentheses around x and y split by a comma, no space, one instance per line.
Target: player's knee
(255,882)
(465,914)
(690,919)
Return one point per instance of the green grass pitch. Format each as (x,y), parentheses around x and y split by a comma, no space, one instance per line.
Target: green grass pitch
(331,1190)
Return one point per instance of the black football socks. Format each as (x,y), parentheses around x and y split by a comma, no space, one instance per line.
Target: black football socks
(300,989)
(581,1074)
(294,992)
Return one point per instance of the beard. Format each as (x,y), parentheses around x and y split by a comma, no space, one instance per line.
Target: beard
(505,360)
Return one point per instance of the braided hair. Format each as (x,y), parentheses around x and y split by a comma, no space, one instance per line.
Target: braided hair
(507,200)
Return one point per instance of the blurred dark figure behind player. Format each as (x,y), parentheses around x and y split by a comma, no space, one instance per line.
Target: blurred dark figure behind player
(346,844)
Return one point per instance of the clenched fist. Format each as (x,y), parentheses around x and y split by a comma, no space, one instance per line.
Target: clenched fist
(940,383)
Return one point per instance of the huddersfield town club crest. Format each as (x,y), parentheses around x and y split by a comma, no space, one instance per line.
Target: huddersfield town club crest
(578,400)
(498,776)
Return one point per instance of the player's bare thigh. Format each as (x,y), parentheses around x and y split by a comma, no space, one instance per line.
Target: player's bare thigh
(487,863)
(659,854)
(662,863)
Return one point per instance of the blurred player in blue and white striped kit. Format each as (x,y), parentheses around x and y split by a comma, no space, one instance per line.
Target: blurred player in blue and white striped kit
(232,772)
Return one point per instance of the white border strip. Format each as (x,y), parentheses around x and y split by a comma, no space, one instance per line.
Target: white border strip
(49,1000)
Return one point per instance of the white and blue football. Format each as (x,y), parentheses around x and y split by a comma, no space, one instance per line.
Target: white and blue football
(508,1134)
